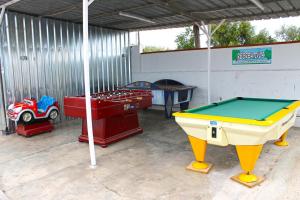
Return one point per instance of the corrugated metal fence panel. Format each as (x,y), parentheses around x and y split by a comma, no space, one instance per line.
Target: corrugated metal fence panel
(42,56)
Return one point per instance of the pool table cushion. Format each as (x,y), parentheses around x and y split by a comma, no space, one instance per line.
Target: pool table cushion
(254,111)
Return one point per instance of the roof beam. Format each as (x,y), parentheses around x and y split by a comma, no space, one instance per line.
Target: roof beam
(239,7)
(63,10)
(189,14)
(122,22)
(175,8)
(3,8)
(137,17)
(258,4)
(150,4)
(252,16)
(216,20)
(167,4)
(9,3)
(116,12)
(132,26)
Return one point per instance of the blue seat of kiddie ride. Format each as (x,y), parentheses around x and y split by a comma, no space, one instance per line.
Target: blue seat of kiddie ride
(44,103)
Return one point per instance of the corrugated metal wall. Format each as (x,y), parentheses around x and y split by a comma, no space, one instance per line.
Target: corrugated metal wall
(43,57)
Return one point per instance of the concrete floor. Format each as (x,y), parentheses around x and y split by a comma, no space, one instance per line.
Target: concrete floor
(147,166)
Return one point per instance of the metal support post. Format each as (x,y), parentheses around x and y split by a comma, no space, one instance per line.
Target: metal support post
(207,31)
(85,52)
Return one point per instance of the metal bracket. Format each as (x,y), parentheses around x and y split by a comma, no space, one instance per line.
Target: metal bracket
(90,2)
(259,4)
(3,8)
(2,14)
(206,31)
(219,25)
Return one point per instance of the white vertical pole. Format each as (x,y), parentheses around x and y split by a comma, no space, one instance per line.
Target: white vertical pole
(209,33)
(139,41)
(85,52)
(208,63)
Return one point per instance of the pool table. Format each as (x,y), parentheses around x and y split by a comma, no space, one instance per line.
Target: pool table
(247,123)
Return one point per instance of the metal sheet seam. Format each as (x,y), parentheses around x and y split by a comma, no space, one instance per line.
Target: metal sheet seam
(42,56)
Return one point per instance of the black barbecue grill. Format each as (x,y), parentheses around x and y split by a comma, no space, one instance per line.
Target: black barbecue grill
(167,93)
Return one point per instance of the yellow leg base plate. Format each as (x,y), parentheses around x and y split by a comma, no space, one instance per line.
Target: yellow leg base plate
(201,167)
(280,143)
(248,180)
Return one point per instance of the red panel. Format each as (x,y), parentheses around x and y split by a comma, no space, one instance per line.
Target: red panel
(114,114)
(34,128)
(112,129)
(107,104)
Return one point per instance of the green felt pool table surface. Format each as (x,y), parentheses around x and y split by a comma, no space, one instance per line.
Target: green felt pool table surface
(246,108)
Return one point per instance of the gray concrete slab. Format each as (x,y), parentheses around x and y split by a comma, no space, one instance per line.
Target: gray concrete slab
(147,166)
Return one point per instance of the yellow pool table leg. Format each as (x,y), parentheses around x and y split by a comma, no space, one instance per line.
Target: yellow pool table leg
(282,140)
(199,149)
(248,155)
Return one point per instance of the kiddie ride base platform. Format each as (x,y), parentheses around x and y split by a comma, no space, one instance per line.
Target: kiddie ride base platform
(34,128)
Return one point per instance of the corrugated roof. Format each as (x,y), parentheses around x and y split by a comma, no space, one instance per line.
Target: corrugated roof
(165,13)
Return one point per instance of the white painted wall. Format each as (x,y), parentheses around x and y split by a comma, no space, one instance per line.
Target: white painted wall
(281,79)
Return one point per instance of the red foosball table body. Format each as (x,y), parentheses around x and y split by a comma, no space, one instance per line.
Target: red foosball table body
(114,114)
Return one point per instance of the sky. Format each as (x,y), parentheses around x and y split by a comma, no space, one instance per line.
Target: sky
(166,37)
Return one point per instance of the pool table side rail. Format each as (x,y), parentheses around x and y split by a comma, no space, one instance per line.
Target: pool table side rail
(236,98)
(266,122)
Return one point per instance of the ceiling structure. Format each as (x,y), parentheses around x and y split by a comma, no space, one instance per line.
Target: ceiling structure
(154,14)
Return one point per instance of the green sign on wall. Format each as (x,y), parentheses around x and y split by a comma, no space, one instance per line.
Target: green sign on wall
(252,56)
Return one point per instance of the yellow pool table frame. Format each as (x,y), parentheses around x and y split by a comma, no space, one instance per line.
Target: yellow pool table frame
(247,135)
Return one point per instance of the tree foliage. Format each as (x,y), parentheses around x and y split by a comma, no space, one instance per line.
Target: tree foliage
(233,33)
(239,33)
(186,40)
(288,33)
(263,37)
(228,34)
(153,49)
(245,32)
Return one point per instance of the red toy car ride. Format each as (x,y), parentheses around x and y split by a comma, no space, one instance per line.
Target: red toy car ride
(29,109)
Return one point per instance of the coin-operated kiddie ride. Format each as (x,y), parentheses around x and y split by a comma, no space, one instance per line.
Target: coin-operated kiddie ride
(34,117)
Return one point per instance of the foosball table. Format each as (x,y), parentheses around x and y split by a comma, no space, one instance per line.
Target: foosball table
(114,114)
